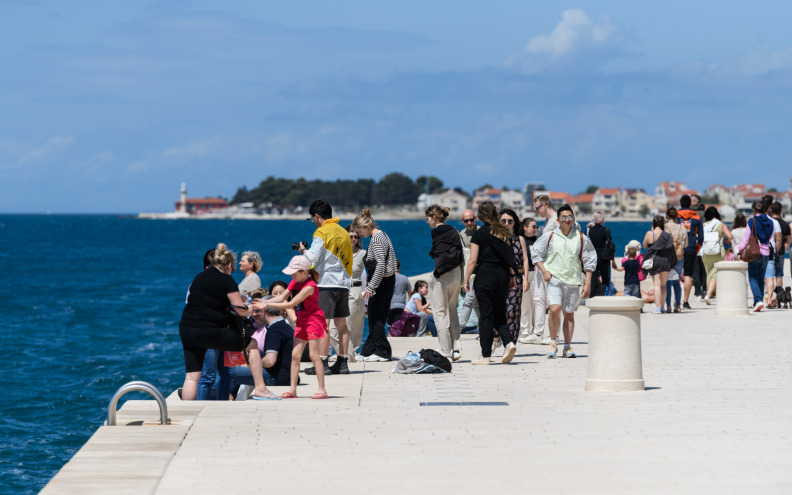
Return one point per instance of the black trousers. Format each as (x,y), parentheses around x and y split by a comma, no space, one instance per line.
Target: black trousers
(492,288)
(699,277)
(378,308)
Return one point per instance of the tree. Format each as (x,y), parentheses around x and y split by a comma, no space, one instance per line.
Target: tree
(644,211)
(396,189)
(429,184)
(485,186)
(772,190)
(592,189)
(462,191)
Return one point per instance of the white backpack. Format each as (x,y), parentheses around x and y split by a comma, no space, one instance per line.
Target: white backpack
(711,238)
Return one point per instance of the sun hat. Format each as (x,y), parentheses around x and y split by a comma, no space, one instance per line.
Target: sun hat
(296,264)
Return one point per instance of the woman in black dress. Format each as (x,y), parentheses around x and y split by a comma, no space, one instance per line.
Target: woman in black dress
(492,259)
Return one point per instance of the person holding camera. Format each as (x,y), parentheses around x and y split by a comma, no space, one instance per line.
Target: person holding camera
(331,256)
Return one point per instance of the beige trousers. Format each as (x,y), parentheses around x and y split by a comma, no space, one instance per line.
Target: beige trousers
(444,298)
(354,321)
(527,307)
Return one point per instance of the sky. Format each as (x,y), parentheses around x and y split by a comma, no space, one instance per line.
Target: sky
(107,107)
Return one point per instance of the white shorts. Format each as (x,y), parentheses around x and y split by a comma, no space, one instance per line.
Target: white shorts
(561,294)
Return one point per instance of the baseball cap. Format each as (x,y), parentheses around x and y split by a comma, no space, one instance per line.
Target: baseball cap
(296,264)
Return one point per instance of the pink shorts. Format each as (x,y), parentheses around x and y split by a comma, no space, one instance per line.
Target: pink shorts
(310,330)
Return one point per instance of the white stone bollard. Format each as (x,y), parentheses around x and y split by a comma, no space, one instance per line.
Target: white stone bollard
(732,288)
(614,350)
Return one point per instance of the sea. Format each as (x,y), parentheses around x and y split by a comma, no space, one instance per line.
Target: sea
(91,302)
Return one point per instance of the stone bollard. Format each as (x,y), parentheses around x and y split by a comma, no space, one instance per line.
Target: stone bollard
(614,351)
(732,288)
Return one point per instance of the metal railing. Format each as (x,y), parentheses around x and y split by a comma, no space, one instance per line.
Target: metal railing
(138,386)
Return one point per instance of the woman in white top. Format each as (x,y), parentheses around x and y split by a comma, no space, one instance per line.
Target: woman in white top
(715,231)
(249,264)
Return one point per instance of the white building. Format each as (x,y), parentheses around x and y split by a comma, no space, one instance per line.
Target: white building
(449,198)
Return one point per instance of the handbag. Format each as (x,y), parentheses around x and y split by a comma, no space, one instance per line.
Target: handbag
(751,251)
(241,325)
(648,263)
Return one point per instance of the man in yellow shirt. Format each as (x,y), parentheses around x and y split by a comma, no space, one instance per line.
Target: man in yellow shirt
(563,256)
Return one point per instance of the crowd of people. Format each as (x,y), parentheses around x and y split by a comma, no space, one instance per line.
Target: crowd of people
(522,288)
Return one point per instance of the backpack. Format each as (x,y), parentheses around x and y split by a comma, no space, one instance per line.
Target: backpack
(406,325)
(711,238)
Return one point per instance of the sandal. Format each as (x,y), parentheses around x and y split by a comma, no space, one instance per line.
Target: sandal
(319,395)
(288,395)
(271,396)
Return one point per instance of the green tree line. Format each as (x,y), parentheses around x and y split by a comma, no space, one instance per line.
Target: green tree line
(393,189)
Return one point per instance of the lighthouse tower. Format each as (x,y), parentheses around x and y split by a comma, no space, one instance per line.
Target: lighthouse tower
(183,199)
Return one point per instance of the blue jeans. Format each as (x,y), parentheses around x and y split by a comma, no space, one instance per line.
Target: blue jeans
(633,290)
(243,376)
(213,363)
(676,286)
(430,324)
(756,276)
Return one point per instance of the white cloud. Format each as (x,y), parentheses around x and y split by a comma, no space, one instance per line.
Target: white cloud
(576,42)
(37,154)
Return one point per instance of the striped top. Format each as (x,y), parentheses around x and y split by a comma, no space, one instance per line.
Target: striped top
(381,250)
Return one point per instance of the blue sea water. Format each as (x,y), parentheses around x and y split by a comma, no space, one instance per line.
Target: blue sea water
(92,302)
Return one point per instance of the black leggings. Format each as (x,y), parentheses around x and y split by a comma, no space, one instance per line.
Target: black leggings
(197,340)
(378,308)
(492,287)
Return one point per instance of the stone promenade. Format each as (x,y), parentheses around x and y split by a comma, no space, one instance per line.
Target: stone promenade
(715,418)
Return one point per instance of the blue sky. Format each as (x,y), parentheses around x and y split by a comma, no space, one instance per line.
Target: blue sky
(110,106)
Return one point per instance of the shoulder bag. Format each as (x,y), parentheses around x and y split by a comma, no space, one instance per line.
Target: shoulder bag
(751,250)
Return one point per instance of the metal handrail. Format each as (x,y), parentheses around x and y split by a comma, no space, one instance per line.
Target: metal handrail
(138,386)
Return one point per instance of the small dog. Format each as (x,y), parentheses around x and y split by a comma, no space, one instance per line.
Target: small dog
(783,297)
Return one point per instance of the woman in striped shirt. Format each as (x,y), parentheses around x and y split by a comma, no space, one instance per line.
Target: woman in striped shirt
(380,262)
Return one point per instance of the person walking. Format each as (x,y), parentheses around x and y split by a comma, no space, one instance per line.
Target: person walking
(562,257)
(357,307)
(692,223)
(680,237)
(511,221)
(380,262)
(539,333)
(786,238)
(331,256)
(715,231)
(527,309)
(469,303)
(492,259)
(446,280)
(660,248)
(760,227)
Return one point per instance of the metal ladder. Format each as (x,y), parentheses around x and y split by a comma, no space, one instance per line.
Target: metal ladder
(138,386)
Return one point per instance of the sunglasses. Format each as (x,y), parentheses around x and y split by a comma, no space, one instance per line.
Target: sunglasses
(469,220)
(508,221)
(566,218)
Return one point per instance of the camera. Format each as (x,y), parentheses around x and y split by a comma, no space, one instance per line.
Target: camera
(296,245)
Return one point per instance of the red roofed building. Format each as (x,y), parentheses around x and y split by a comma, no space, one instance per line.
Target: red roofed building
(668,194)
(197,206)
(582,203)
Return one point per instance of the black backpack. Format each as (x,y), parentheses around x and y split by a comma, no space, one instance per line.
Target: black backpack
(431,356)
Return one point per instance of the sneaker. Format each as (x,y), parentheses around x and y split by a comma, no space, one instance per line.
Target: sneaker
(551,353)
(758,307)
(374,358)
(568,352)
(686,306)
(707,300)
(456,356)
(481,360)
(508,353)
(497,345)
(359,358)
(546,341)
(677,309)
(340,367)
(531,339)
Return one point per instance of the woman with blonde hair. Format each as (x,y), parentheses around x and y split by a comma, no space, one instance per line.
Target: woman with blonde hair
(380,263)
(446,280)
(249,264)
(659,247)
(204,324)
(492,259)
